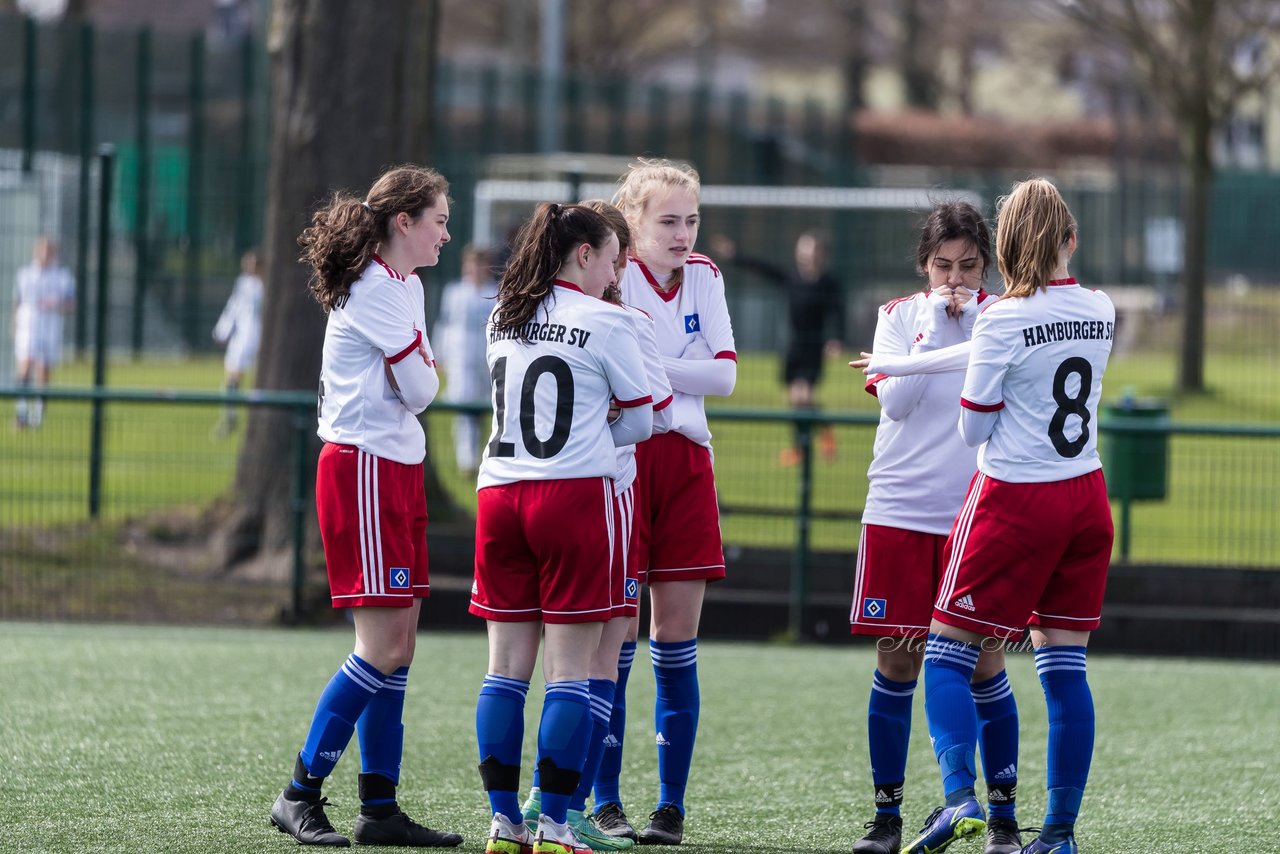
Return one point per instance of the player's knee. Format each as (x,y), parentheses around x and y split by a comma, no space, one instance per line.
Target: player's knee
(902,663)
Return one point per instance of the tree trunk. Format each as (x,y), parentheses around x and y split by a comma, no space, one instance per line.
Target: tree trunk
(1195,255)
(342,75)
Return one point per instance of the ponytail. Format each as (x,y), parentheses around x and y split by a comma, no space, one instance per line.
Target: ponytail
(543,244)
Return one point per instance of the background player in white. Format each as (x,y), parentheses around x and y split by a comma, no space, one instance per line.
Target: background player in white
(1032,542)
(377,373)
(46,292)
(464,307)
(677,517)
(917,480)
(239,329)
(547,556)
(604,665)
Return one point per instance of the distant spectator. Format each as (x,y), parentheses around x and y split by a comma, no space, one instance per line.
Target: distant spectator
(239,329)
(46,291)
(815,322)
(460,333)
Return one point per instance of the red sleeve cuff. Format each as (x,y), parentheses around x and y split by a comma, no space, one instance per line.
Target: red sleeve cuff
(658,407)
(639,401)
(982,407)
(417,339)
(726,354)
(871,384)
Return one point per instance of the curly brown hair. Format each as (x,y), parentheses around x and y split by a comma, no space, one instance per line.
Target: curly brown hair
(541,248)
(344,234)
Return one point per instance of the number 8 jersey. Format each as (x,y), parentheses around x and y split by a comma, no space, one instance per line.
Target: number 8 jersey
(1039,361)
(551,390)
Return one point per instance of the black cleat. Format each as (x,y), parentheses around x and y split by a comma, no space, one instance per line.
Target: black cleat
(612,820)
(884,836)
(306,822)
(399,829)
(1002,837)
(665,827)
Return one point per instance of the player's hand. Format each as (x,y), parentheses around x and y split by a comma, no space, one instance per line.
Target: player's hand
(942,301)
(861,364)
(960,296)
(968,314)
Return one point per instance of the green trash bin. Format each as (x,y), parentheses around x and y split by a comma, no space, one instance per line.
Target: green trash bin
(1136,462)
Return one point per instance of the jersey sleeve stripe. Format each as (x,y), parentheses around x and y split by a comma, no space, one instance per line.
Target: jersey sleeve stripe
(417,339)
(639,401)
(663,404)
(871,387)
(982,407)
(727,354)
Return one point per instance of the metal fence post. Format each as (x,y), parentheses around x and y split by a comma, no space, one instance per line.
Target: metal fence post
(28,93)
(106,165)
(298,504)
(195,182)
(142,190)
(86,165)
(800,559)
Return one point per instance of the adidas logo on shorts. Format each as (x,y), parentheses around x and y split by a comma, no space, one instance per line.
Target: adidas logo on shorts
(965,603)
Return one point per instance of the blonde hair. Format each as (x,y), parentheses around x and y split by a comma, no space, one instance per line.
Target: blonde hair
(1033,223)
(646,177)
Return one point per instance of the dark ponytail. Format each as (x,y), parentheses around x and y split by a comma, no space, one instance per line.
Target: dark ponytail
(543,244)
(344,234)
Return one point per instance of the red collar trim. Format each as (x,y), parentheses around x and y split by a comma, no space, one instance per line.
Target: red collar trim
(1058,282)
(561,283)
(395,275)
(667,295)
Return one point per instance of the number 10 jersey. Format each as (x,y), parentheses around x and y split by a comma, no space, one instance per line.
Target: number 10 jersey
(1039,361)
(551,390)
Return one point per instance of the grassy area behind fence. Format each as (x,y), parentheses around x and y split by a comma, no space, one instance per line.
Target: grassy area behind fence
(1220,507)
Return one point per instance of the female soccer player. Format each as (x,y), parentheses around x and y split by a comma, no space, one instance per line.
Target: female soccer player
(1032,543)
(239,329)
(677,517)
(918,476)
(45,293)
(548,557)
(377,373)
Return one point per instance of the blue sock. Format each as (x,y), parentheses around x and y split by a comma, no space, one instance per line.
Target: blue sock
(675,669)
(889,732)
(610,772)
(953,723)
(500,736)
(1066,691)
(563,734)
(341,703)
(381,729)
(998,736)
(602,691)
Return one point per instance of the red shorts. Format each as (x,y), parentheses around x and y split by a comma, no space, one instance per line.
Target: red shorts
(895,582)
(373,521)
(547,550)
(1028,554)
(677,513)
(628,556)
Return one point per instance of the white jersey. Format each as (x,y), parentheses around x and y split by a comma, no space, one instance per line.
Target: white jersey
(552,391)
(380,321)
(658,387)
(460,335)
(239,326)
(42,297)
(920,466)
(1038,362)
(696,309)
